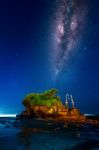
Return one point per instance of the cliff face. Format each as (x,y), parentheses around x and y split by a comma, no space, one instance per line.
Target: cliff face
(54,112)
(43,111)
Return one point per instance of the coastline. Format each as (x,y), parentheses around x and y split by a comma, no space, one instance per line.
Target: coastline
(8,115)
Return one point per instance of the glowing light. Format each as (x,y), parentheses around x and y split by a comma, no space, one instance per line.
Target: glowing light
(74,23)
(61,29)
(67,33)
(8,115)
(89,114)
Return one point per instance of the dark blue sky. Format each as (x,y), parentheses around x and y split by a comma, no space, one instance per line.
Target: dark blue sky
(25,49)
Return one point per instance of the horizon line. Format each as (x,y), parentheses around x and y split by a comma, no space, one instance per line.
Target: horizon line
(8,115)
(14,115)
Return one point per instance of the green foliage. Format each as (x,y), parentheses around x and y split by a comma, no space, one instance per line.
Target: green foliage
(51,93)
(48,98)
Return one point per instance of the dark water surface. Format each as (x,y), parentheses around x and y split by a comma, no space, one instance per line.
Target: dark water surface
(45,135)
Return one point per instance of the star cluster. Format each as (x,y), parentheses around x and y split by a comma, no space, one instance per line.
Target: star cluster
(69,23)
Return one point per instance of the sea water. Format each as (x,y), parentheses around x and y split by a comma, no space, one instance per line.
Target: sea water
(32,134)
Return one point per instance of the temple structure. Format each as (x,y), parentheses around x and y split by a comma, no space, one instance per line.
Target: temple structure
(69,97)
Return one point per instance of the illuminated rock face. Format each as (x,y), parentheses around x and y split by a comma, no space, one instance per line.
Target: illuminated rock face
(42,111)
(54,112)
(57,113)
(75,112)
(48,105)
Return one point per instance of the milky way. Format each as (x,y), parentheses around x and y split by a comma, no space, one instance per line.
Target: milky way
(69,23)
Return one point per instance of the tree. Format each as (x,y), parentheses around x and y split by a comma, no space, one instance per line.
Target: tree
(51,93)
(47,98)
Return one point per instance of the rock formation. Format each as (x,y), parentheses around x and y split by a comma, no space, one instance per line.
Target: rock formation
(48,105)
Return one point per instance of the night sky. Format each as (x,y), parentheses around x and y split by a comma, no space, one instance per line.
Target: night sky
(49,44)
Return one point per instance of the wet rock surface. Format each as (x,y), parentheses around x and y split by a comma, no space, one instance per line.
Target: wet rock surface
(41,134)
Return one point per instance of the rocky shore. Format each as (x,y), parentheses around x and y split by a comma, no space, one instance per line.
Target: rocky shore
(63,114)
(48,106)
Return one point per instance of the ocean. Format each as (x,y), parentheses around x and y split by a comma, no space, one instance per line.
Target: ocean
(32,134)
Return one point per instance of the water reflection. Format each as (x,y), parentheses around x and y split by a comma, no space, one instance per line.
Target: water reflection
(25,137)
(49,136)
(46,135)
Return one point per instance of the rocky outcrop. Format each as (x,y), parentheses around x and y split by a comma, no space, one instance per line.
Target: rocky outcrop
(54,112)
(48,105)
(57,114)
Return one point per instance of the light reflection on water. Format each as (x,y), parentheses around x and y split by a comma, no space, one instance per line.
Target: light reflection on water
(46,135)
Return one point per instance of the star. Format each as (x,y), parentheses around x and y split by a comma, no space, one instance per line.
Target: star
(67,32)
(85,48)
(73,25)
(60,29)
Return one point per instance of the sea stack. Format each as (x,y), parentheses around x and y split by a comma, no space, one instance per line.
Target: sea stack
(48,105)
